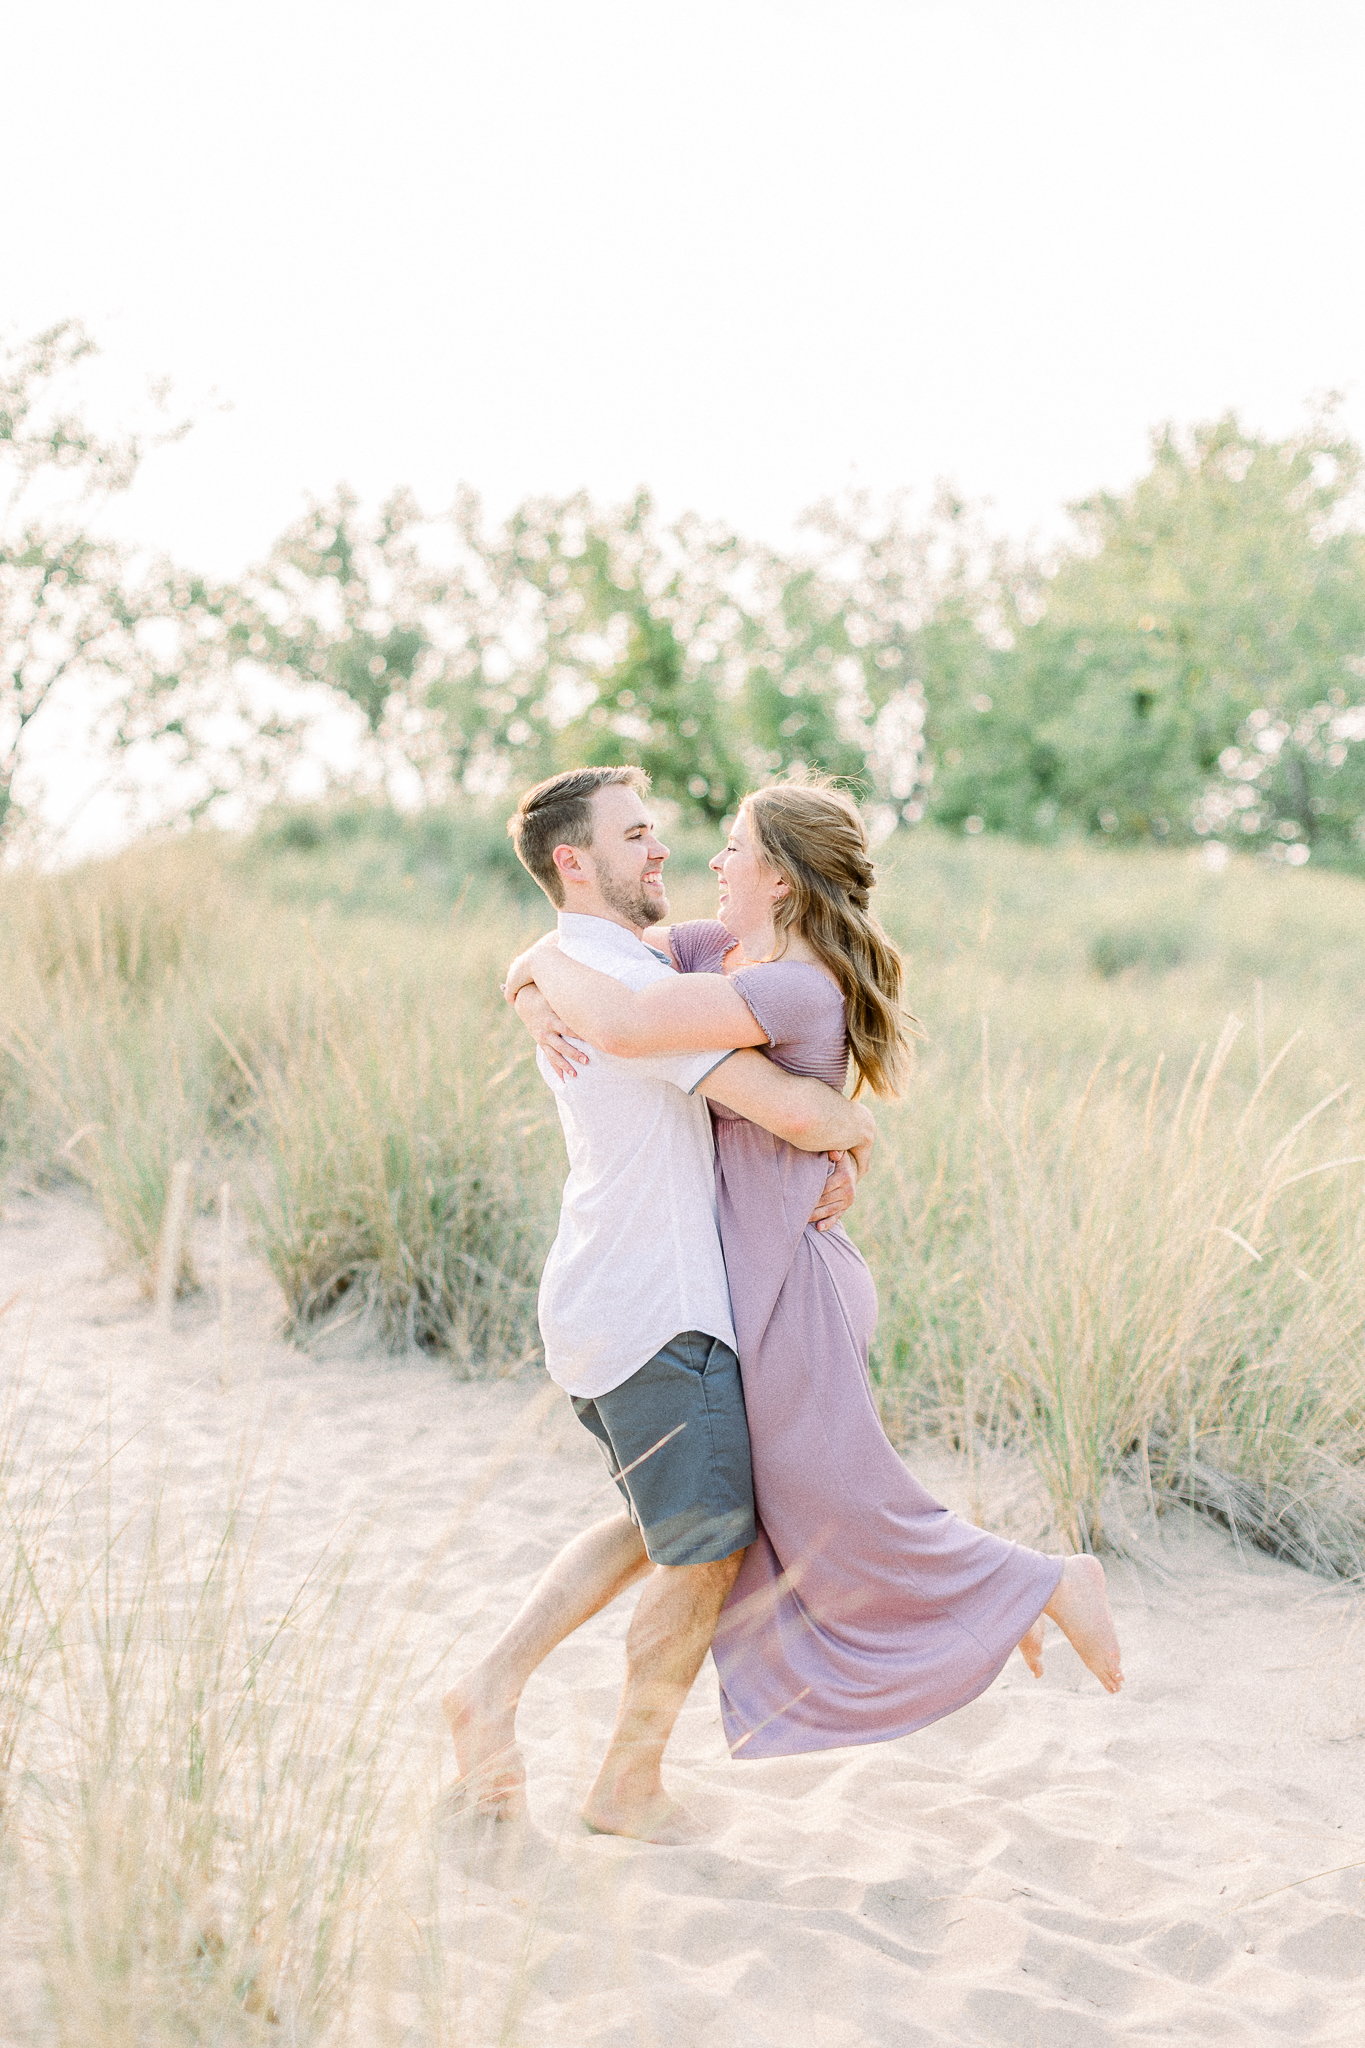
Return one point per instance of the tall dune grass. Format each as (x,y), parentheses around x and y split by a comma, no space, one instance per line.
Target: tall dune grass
(1105,1224)
(205,1791)
(364,1085)
(1112,1227)
(30,1508)
(127,1088)
(399,1176)
(1151,1277)
(104,1076)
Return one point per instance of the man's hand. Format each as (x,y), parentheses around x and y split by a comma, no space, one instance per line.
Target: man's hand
(548,1032)
(840,1190)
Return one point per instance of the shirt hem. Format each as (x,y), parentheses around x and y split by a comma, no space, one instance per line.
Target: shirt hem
(707,1329)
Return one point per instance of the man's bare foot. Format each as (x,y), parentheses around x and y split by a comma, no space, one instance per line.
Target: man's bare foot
(492,1774)
(1031,1648)
(1080,1608)
(657,1819)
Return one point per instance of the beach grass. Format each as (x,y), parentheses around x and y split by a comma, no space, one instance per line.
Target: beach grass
(1115,1223)
(208,1787)
(399,1174)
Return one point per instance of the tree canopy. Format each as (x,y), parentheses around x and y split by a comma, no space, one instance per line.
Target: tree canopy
(577,631)
(1193,665)
(1196,665)
(127,643)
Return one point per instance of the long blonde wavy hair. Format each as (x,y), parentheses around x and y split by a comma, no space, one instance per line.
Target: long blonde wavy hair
(814,837)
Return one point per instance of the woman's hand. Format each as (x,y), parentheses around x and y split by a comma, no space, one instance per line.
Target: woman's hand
(548,1032)
(839,1191)
(522,973)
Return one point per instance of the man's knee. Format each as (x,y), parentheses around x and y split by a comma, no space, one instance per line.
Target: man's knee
(626,1534)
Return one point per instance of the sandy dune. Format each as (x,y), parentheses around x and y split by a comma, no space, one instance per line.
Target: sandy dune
(1049,1866)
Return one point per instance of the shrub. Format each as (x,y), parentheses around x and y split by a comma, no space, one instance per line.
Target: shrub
(1154,948)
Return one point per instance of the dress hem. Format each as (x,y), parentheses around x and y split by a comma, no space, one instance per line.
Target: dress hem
(747,1750)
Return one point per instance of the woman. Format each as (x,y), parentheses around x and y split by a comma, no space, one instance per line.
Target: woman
(864,1610)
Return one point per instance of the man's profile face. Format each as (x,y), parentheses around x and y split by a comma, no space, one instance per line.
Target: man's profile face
(627,856)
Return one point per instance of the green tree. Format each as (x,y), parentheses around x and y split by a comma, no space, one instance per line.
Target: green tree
(575,632)
(1227,584)
(1294,788)
(618,642)
(706,660)
(931,606)
(130,645)
(348,606)
(714,662)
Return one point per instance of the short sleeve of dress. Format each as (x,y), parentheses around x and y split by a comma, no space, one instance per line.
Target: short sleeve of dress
(700,946)
(791,1001)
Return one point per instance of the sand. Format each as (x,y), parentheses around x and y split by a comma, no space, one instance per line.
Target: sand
(1049,1866)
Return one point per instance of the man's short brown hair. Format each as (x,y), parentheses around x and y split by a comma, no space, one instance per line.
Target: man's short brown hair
(559,813)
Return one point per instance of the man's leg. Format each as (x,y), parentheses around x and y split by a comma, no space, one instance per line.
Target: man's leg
(677,1443)
(481,1710)
(669,1636)
(678,1433)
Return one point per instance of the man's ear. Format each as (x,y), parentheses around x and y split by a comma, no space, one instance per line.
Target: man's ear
(567,859)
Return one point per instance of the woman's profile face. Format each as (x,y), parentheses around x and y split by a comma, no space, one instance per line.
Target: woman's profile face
(748,886)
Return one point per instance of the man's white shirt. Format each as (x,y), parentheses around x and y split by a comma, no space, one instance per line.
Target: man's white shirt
(637,1257)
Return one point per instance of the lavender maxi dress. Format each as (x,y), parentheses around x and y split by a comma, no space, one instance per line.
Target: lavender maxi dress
(864,1610)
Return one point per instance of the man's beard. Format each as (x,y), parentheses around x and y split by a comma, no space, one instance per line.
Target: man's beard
(632,901)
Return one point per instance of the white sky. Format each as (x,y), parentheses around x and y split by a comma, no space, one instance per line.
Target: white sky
(742,252)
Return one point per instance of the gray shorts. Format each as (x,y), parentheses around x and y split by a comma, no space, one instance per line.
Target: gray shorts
(691,1496)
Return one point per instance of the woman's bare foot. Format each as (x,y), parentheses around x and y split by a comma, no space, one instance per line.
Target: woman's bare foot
(483,1722)
(659,1819)
(1031,1648)
(1080,1608)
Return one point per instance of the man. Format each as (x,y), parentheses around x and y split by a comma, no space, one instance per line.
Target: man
(635,1316)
